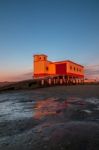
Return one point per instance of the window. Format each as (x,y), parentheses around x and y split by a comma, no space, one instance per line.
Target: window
(47,68)
(74,68)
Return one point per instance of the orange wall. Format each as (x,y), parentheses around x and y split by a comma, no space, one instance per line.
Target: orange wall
(44,67)
(39,67)
(74,69)
(51,68)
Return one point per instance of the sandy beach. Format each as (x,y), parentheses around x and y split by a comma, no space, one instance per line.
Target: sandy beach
(53,118)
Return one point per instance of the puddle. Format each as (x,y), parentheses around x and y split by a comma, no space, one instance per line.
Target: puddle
(49,107)
(46,120)
(93,100)
(24,105)
(87,111)
(71,107)
(10,110)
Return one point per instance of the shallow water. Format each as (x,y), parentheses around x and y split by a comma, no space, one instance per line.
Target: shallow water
(15,106)
(39,111)
(19,105)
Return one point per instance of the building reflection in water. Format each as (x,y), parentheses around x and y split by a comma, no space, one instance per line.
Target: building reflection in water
(49,107)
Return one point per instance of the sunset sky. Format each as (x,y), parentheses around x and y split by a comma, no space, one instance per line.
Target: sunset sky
(62,29)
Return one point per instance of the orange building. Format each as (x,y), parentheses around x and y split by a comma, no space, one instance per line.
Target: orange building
(43,68)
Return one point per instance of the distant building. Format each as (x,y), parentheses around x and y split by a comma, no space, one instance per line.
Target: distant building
(43,68)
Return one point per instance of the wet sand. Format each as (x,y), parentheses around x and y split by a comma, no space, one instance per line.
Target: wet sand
(53,118)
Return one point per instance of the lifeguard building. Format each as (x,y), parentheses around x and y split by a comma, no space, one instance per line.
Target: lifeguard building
(66,69)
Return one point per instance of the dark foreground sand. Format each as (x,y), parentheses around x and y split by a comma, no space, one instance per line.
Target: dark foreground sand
(65,118)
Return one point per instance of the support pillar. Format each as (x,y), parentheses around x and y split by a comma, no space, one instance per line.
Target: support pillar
(42,82)
(49,81)
(61,81)
(64,80)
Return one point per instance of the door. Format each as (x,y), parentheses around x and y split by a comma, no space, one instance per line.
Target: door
(61,69)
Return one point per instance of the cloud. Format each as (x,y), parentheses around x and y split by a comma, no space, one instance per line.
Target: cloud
(92,71)
(23,76)
(16,77)
(28,74)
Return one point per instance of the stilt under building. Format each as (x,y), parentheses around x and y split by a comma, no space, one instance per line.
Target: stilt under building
(57,73)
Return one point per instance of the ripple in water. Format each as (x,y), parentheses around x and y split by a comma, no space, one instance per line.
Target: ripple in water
(10,110)
(16,106)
